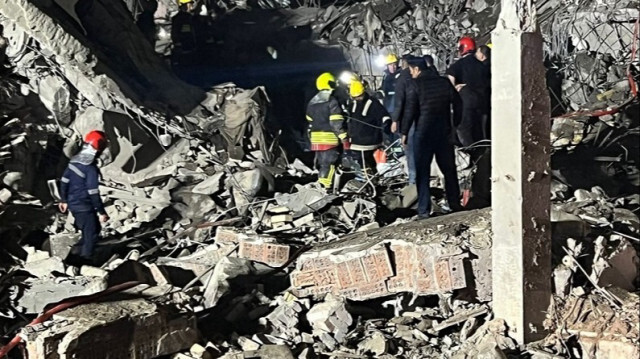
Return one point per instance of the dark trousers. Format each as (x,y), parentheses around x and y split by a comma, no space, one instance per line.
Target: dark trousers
(88,224)
(325,162)
(425,149)
(366,162)
(470,130)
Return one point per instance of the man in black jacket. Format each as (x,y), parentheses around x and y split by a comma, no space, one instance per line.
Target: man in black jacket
(398,112)
(430,99)
(469,77)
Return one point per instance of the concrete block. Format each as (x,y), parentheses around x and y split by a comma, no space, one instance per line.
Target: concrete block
(217,284)
(375,344)
(89,271)
(34,255)
(60,244)
(378,266)
(409,196)
(269,253)
(132,328)
(44,267)
(5,195)
(41,292)
(159,274)
(229,235)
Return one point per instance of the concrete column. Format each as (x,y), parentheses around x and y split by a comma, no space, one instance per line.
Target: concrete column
(521,267)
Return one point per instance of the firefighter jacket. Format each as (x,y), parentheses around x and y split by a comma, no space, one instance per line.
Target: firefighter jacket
(365,123)
(326,122)
(79,183)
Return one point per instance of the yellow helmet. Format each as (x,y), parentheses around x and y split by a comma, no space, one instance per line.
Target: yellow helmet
(390,59)
(356,89)
(490,45)
(182,2)
(326,81)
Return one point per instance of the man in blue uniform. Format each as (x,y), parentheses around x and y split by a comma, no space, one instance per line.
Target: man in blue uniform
(80,195)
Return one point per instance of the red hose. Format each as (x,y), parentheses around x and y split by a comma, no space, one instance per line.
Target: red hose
(66,304)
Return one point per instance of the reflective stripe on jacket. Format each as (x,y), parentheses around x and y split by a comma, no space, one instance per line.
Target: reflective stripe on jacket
(326,121)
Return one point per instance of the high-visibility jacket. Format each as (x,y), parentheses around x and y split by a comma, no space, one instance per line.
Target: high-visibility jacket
(365,123)
(326,122)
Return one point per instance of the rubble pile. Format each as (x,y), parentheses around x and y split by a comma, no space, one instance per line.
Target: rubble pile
(219,246)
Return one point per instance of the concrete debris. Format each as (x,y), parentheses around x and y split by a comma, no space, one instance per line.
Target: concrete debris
(133,328)
(330,321)
(272,254)
(360,267)
(41,292)
(229,247)
(217,284)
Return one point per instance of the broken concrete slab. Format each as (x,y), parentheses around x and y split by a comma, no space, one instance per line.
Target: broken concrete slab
(428,260)
(269,253)
(330,321)
(60,244)
(134,328)
(217,284)
(42,292)
(44,267)
(375,344)
(210,185)
(306,200)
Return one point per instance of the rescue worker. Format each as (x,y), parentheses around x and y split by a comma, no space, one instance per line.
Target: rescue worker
(469,77)
(365,125)
(79,193)
(327,129)
(430,99)
(399,98)
(391,75)
(183,34)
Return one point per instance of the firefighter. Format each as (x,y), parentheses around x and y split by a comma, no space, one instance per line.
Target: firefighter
(430,100)
(469,76)
(326,129)
(79,193)
(391,75)
(365,125)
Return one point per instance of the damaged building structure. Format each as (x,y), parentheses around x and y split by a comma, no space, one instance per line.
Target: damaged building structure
(219,242)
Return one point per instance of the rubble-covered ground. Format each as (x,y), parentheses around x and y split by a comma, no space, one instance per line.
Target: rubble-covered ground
(219,242)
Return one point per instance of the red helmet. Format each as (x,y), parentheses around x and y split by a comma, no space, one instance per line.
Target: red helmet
(97,140)
(466,44)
